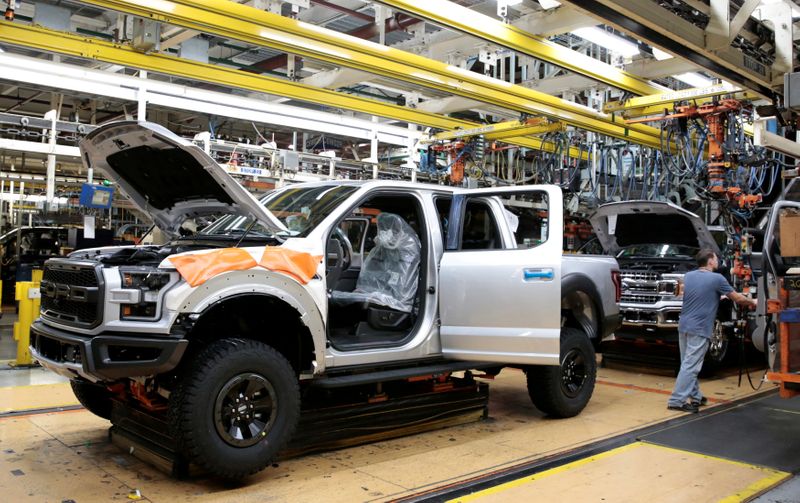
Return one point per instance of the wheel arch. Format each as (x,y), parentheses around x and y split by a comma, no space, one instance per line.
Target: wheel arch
(270,308)
(573,285)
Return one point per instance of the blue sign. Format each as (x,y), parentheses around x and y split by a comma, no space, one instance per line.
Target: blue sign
(96,196)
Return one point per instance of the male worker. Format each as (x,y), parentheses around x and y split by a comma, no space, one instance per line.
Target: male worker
(702,289)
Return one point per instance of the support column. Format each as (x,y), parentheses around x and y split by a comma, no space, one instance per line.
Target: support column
(719,24)
(780,16)
(412,161)
(52,115)
(373,149)
(141,114)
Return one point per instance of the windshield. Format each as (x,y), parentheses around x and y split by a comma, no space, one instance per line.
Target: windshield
(300,209)
(657,250)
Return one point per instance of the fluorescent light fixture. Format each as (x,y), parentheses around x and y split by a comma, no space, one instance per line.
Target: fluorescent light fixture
(661,55)
(611,42)
(549,4)
(510,2)
(694,79)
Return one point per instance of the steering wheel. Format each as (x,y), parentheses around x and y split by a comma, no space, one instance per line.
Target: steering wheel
(339,249)
(347,248)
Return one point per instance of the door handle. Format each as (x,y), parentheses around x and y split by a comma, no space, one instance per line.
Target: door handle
(538,274)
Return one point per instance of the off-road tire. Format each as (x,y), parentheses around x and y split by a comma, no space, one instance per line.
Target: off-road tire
(564,390)
(95,398)
(197,411)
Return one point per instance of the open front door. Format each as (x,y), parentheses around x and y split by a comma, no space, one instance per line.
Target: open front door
(500,276)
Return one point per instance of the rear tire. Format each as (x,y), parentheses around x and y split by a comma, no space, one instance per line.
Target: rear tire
(564,390)
(236,407)
(95,398)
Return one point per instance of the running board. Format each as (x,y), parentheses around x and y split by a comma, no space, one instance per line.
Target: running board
(398,374)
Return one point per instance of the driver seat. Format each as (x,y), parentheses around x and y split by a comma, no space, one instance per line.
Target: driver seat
(387,283)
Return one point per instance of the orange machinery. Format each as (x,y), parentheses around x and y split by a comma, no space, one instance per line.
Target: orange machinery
(714,114)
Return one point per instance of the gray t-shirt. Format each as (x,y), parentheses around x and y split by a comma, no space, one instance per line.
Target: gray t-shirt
(701,292)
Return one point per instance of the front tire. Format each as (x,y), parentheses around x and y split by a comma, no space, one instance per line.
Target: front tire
(236,408)
(95,398)
(564,390)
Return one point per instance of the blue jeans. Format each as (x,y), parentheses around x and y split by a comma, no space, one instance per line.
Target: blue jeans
(693,351)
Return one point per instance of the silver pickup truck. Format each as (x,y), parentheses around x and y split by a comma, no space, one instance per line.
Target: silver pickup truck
(332,284)
(655,243)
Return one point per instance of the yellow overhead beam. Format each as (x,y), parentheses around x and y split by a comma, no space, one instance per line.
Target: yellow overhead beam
(506,129)
(669,97)
(553,127)
(463,19)
(247,24)
(90,48)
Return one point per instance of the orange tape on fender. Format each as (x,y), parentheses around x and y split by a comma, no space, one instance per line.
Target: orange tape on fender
(300,265)
(197,269)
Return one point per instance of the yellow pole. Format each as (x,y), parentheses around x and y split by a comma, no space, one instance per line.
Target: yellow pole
(27,294)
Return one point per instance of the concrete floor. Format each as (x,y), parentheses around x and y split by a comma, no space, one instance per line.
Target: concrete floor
(61,456)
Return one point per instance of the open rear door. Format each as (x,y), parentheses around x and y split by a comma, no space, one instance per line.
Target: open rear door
(500,276)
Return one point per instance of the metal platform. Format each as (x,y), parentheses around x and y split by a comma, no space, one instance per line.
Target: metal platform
(330,419)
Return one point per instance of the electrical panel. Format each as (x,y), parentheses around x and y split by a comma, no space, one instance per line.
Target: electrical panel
(146,35)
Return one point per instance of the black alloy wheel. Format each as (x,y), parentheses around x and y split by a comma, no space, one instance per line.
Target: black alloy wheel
(245,409)
(573,373)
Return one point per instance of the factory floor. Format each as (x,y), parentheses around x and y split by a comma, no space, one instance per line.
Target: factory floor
(625,446)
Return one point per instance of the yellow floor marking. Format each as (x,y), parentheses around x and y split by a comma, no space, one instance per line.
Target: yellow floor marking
(36,396)
(774,477)
(629,472)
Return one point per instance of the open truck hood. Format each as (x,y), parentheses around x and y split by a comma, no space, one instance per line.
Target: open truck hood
(627,223)
(168,177)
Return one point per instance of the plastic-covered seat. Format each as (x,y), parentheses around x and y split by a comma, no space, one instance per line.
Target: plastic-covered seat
(390,273)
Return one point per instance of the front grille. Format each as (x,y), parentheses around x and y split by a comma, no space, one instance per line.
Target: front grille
(84,276)
(640,316)
(639,299)
(71,294)
(640,275)
(641,288)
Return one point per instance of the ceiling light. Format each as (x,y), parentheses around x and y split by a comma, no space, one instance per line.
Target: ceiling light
(607,40)
(694,79)
(549,4)
(661,55)
(510,2)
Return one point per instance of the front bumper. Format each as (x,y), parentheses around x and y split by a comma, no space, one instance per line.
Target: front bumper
(103,357)
(663,315)
(647,334)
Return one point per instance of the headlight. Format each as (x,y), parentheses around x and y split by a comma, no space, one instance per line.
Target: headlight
(670,286)
(148,284)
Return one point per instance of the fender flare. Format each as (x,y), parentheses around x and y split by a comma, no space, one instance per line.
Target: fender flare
(261,282)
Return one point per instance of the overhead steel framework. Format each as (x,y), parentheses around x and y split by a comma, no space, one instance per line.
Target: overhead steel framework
(457,17)
(91,48)
(661,28)
(250,25)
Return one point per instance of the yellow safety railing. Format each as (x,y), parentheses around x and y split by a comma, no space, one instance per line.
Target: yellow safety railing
(28,296)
